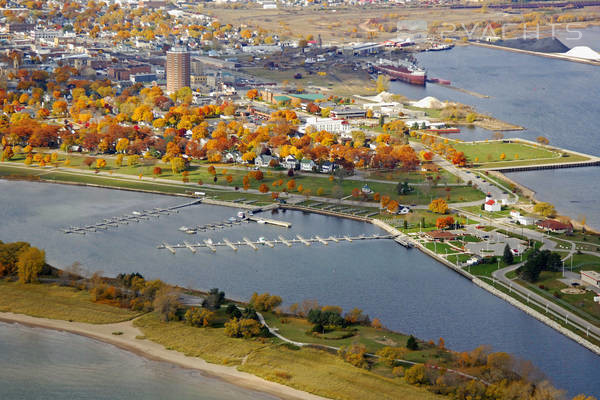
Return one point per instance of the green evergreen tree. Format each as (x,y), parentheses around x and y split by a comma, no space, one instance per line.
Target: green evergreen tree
(508,255)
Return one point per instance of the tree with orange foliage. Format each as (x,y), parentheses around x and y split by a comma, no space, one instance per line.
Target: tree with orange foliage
(356,193)
(257,175)
(263,188)
(392,206)
(458,158)
(376,196)
(229,178)
(444,222)
(291,184)
(274,195)
(212,170)
(157,171)
(252,94)
(385,199)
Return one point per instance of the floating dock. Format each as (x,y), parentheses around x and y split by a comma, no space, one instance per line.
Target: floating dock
(213,246)
(135,216)
(271,221)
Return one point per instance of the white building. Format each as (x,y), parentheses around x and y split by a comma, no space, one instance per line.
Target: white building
(521,219)
(492,205)
(590,278)
(328,124)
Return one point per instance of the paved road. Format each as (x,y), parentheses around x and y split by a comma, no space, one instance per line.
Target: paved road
(553,308)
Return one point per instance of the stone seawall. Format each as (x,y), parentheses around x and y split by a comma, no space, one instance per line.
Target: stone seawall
(537,315)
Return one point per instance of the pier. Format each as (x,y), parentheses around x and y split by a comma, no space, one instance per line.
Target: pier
(271,221)
(135,216)
(213,246)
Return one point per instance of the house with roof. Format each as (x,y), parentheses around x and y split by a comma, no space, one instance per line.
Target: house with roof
(264,160)
(550,225)
(327,167)
(234,156)
(403,210)
(441,236)
(491,205)
(521,219)
(290,162)
(366,189)
(307,165)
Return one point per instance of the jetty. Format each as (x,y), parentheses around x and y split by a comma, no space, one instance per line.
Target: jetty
(256,244)
(251,244)
(208,244)
(231,245)
(135,216)
(270,221)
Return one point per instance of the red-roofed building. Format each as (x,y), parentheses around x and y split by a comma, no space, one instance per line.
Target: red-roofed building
(441,235)
(492,205)
(553,226)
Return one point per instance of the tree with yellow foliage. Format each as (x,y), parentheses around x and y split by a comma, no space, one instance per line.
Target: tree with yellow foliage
(438,206)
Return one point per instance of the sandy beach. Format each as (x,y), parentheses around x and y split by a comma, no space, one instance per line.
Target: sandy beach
(155,351)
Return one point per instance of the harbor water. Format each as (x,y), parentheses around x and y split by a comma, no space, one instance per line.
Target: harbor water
(407,290)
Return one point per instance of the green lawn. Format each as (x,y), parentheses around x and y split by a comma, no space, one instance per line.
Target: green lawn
(485,269)
(197,172)
(440,248)
(298,329)
(583,261)
(581,304)
(489,152)
(57,302)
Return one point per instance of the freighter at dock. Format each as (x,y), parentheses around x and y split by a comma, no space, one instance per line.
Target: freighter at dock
(402,71)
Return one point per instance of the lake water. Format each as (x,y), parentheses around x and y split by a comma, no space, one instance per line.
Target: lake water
(552,98)
(38,363)
(407,290)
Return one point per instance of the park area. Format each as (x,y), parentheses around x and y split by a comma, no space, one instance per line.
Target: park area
(495,154)
(235,176)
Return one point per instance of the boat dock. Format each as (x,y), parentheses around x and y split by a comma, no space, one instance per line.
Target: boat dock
(213,246)
(270,221)
(135,216)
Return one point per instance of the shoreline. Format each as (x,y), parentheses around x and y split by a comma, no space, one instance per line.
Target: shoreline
(156,352)
(556,56)
(388,228)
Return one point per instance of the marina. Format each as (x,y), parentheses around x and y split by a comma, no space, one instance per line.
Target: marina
(136,216)
(254,245)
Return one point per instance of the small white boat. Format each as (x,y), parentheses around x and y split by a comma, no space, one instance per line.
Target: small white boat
(136,213)
(232,219)
(208,241)
(261,221)
(262,240)
(184,228)
(241,214)
(191,231)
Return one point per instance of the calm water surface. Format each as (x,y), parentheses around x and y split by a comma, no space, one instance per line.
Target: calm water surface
(552,98)
(45,364)
(407,290)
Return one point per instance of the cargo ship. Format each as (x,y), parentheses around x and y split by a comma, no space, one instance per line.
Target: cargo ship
(402,71)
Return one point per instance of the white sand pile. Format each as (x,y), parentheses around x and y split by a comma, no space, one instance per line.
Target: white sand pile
(428,102)
(583,52)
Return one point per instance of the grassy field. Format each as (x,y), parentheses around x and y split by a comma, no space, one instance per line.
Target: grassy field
(581,304)
(310,370)
(490,152)
(107,180)
(583,261)
(299,330)
(56,302)
(421,194)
